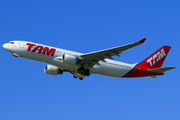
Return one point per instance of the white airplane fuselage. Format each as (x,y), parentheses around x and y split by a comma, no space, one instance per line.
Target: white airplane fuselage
(54,57)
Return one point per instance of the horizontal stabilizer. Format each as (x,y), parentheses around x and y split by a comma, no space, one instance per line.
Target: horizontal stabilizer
(159,70)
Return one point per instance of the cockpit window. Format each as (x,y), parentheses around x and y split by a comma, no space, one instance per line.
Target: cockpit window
(11,42)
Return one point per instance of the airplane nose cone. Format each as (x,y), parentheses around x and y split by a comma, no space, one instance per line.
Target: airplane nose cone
(4,46)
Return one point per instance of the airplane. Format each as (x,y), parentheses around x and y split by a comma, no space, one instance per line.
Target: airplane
(99,62)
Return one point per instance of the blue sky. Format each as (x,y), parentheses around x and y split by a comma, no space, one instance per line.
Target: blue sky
(27,93)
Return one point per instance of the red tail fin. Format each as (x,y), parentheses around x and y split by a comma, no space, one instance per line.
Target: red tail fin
(153,61)
(156,59)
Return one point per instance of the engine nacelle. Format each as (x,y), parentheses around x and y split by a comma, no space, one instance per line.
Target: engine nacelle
(69,59)
(52,70)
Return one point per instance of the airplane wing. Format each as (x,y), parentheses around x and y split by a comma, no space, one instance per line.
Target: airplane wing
(108,53)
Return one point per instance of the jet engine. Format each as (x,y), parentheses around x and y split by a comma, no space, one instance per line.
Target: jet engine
(52,70)
(69,59)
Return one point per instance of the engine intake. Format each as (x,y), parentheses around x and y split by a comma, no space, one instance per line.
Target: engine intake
(52,70)
(69,59)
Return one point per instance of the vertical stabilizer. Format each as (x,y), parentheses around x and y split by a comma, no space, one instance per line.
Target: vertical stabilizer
(156,59)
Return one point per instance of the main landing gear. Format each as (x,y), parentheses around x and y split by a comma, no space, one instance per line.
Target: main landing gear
(81,73)
(79,78)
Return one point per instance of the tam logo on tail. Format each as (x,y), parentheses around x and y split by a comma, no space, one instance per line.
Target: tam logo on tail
(156,57)
(152,63)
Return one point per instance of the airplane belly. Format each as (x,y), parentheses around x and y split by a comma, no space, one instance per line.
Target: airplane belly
(96,69)
(116,70)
